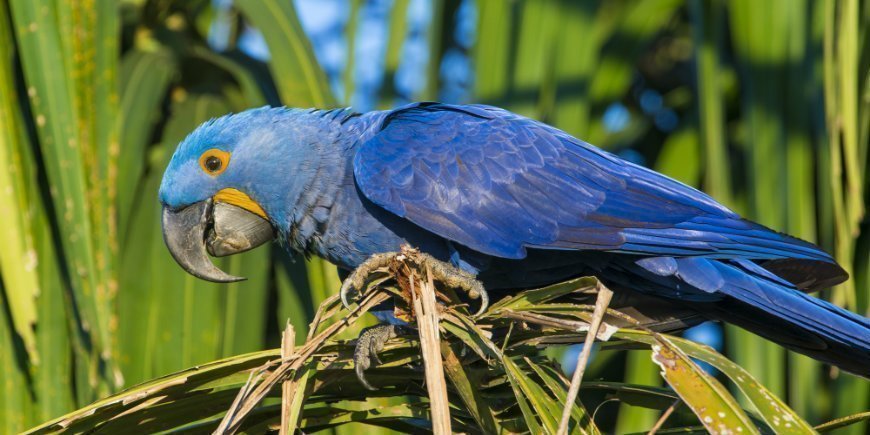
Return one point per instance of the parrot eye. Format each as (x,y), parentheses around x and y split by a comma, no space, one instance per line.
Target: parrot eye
(214,161)
(212,164)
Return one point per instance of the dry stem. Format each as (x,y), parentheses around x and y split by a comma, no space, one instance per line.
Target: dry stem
(249,397)
(665,415)
(601,303)
(426,310)
(288,341)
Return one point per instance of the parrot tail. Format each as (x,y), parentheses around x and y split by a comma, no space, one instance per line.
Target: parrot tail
(745,294)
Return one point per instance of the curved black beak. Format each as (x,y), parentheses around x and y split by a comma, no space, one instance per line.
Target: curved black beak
(222,229)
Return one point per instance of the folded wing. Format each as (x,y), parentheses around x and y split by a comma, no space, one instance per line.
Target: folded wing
(500,183)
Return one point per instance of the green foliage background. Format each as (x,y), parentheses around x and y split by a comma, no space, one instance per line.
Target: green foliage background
(96,94)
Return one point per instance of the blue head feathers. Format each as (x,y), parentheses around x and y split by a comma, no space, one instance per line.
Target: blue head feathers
(266,154)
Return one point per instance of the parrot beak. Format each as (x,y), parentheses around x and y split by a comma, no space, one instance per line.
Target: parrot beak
(216,228)
(236,230)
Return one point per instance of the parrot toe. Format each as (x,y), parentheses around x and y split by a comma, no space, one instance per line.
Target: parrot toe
(371,341)
(446,273)
(455,277)
(357,278)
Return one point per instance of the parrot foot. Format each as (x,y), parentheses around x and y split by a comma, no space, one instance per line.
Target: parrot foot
(357,279)
(454,277)
(371,341)
(446,273)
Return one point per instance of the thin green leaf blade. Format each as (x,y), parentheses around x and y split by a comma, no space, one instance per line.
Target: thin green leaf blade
(710,401)
(301,82)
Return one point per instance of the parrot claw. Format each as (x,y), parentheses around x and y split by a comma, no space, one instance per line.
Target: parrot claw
(371,341)
(357,278)
(455,277)
(446,273)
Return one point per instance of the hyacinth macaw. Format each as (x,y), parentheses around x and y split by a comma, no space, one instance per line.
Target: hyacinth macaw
(506,199)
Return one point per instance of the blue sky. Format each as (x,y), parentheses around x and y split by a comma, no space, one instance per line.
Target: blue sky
(325,23)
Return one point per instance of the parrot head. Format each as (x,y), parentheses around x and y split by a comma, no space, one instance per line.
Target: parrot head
(225,187)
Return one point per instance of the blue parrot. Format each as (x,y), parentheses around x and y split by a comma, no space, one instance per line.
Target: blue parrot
(506,200)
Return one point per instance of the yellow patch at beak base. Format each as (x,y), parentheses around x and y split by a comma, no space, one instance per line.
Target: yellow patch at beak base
(240,199)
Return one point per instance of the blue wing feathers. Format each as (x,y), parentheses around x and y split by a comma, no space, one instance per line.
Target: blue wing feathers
(498,175)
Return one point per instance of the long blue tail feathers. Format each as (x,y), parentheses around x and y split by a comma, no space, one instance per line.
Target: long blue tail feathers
(748,295)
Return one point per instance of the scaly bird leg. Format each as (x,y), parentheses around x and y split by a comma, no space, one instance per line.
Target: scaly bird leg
(357,278)
(454,277)
(371,341)
(447,274)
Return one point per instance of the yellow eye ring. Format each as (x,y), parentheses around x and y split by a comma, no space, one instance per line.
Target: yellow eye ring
(214,161)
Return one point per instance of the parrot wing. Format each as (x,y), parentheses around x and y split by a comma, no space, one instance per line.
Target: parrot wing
(500,183)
